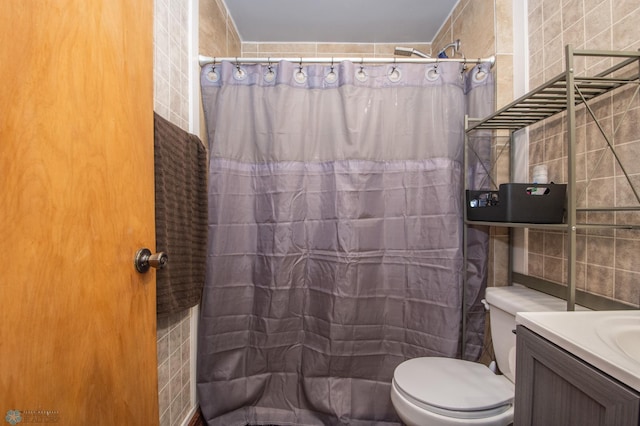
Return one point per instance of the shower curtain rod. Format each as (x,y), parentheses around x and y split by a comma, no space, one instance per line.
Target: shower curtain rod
(205,60)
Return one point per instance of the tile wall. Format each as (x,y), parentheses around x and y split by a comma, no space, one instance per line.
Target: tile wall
(174,368)
(356,50)
(171,61)
(217,33)
(485,28)
(217,36)
(607,260)
(171,100)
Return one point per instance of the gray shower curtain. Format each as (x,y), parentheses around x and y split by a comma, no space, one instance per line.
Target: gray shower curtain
(335,231)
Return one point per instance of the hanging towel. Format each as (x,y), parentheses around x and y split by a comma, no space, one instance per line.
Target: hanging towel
(181,215)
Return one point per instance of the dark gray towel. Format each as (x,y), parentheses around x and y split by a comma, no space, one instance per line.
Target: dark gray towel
(181,215)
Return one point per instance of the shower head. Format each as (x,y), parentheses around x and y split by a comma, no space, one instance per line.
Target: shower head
(455,45)
(408,51)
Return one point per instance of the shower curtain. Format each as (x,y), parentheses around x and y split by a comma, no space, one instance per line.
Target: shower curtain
(335,232)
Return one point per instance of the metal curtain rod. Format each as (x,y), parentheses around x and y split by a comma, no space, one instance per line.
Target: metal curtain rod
(205,60)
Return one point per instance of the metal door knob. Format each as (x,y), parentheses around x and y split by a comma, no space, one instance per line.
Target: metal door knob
(145,259)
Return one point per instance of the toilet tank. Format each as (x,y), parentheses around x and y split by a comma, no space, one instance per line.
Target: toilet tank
(504,302)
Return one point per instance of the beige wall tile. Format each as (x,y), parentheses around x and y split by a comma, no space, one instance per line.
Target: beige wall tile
(504,26)
(597,19)
(553,269)
(581,248)
(306,49)
(444,37)
(572,12)
(536,65)
(536,265)
(249,49)
(504,79)
(212,29)
(473,27)
(553,57)
(535,17)
(626,127)
(600,164)
(554,147)
(600,280)
(552,26)
(346,49)
(384,49)
(234,46)
(459,9)
(536,241)
(534,5)
(627,254)
(627,288)
(500,261)
(625,197)
(625,31)
(573,34)
(501,163)
(624,9)
(554,244)
(599,192)
(600,251)
(581,276)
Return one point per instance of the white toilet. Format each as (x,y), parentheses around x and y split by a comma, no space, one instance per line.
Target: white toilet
(434,391)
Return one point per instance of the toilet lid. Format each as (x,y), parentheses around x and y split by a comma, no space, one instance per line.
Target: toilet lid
(453,384)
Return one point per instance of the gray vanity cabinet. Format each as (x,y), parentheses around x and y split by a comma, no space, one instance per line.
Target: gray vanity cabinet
(553,387)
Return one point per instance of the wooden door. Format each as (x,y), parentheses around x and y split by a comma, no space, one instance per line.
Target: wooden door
(77,322)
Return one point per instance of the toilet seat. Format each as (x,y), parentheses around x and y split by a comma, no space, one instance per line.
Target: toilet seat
(453,388)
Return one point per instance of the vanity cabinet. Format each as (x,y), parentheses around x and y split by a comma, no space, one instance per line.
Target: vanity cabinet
(554,387)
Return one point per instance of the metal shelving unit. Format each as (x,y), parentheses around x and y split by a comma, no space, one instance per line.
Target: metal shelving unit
(563,94)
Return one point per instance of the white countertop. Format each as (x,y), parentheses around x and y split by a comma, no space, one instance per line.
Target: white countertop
(608,340)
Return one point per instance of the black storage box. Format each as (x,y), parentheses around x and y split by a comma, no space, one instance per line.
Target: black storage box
(518,202)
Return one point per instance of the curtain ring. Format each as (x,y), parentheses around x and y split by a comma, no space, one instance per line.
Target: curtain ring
(361,75)
(270,75)
(213,74)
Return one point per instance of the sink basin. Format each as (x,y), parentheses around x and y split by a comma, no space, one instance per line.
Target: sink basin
(629,342)
(623,333)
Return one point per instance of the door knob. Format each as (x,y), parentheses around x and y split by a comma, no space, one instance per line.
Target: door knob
(145,259)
